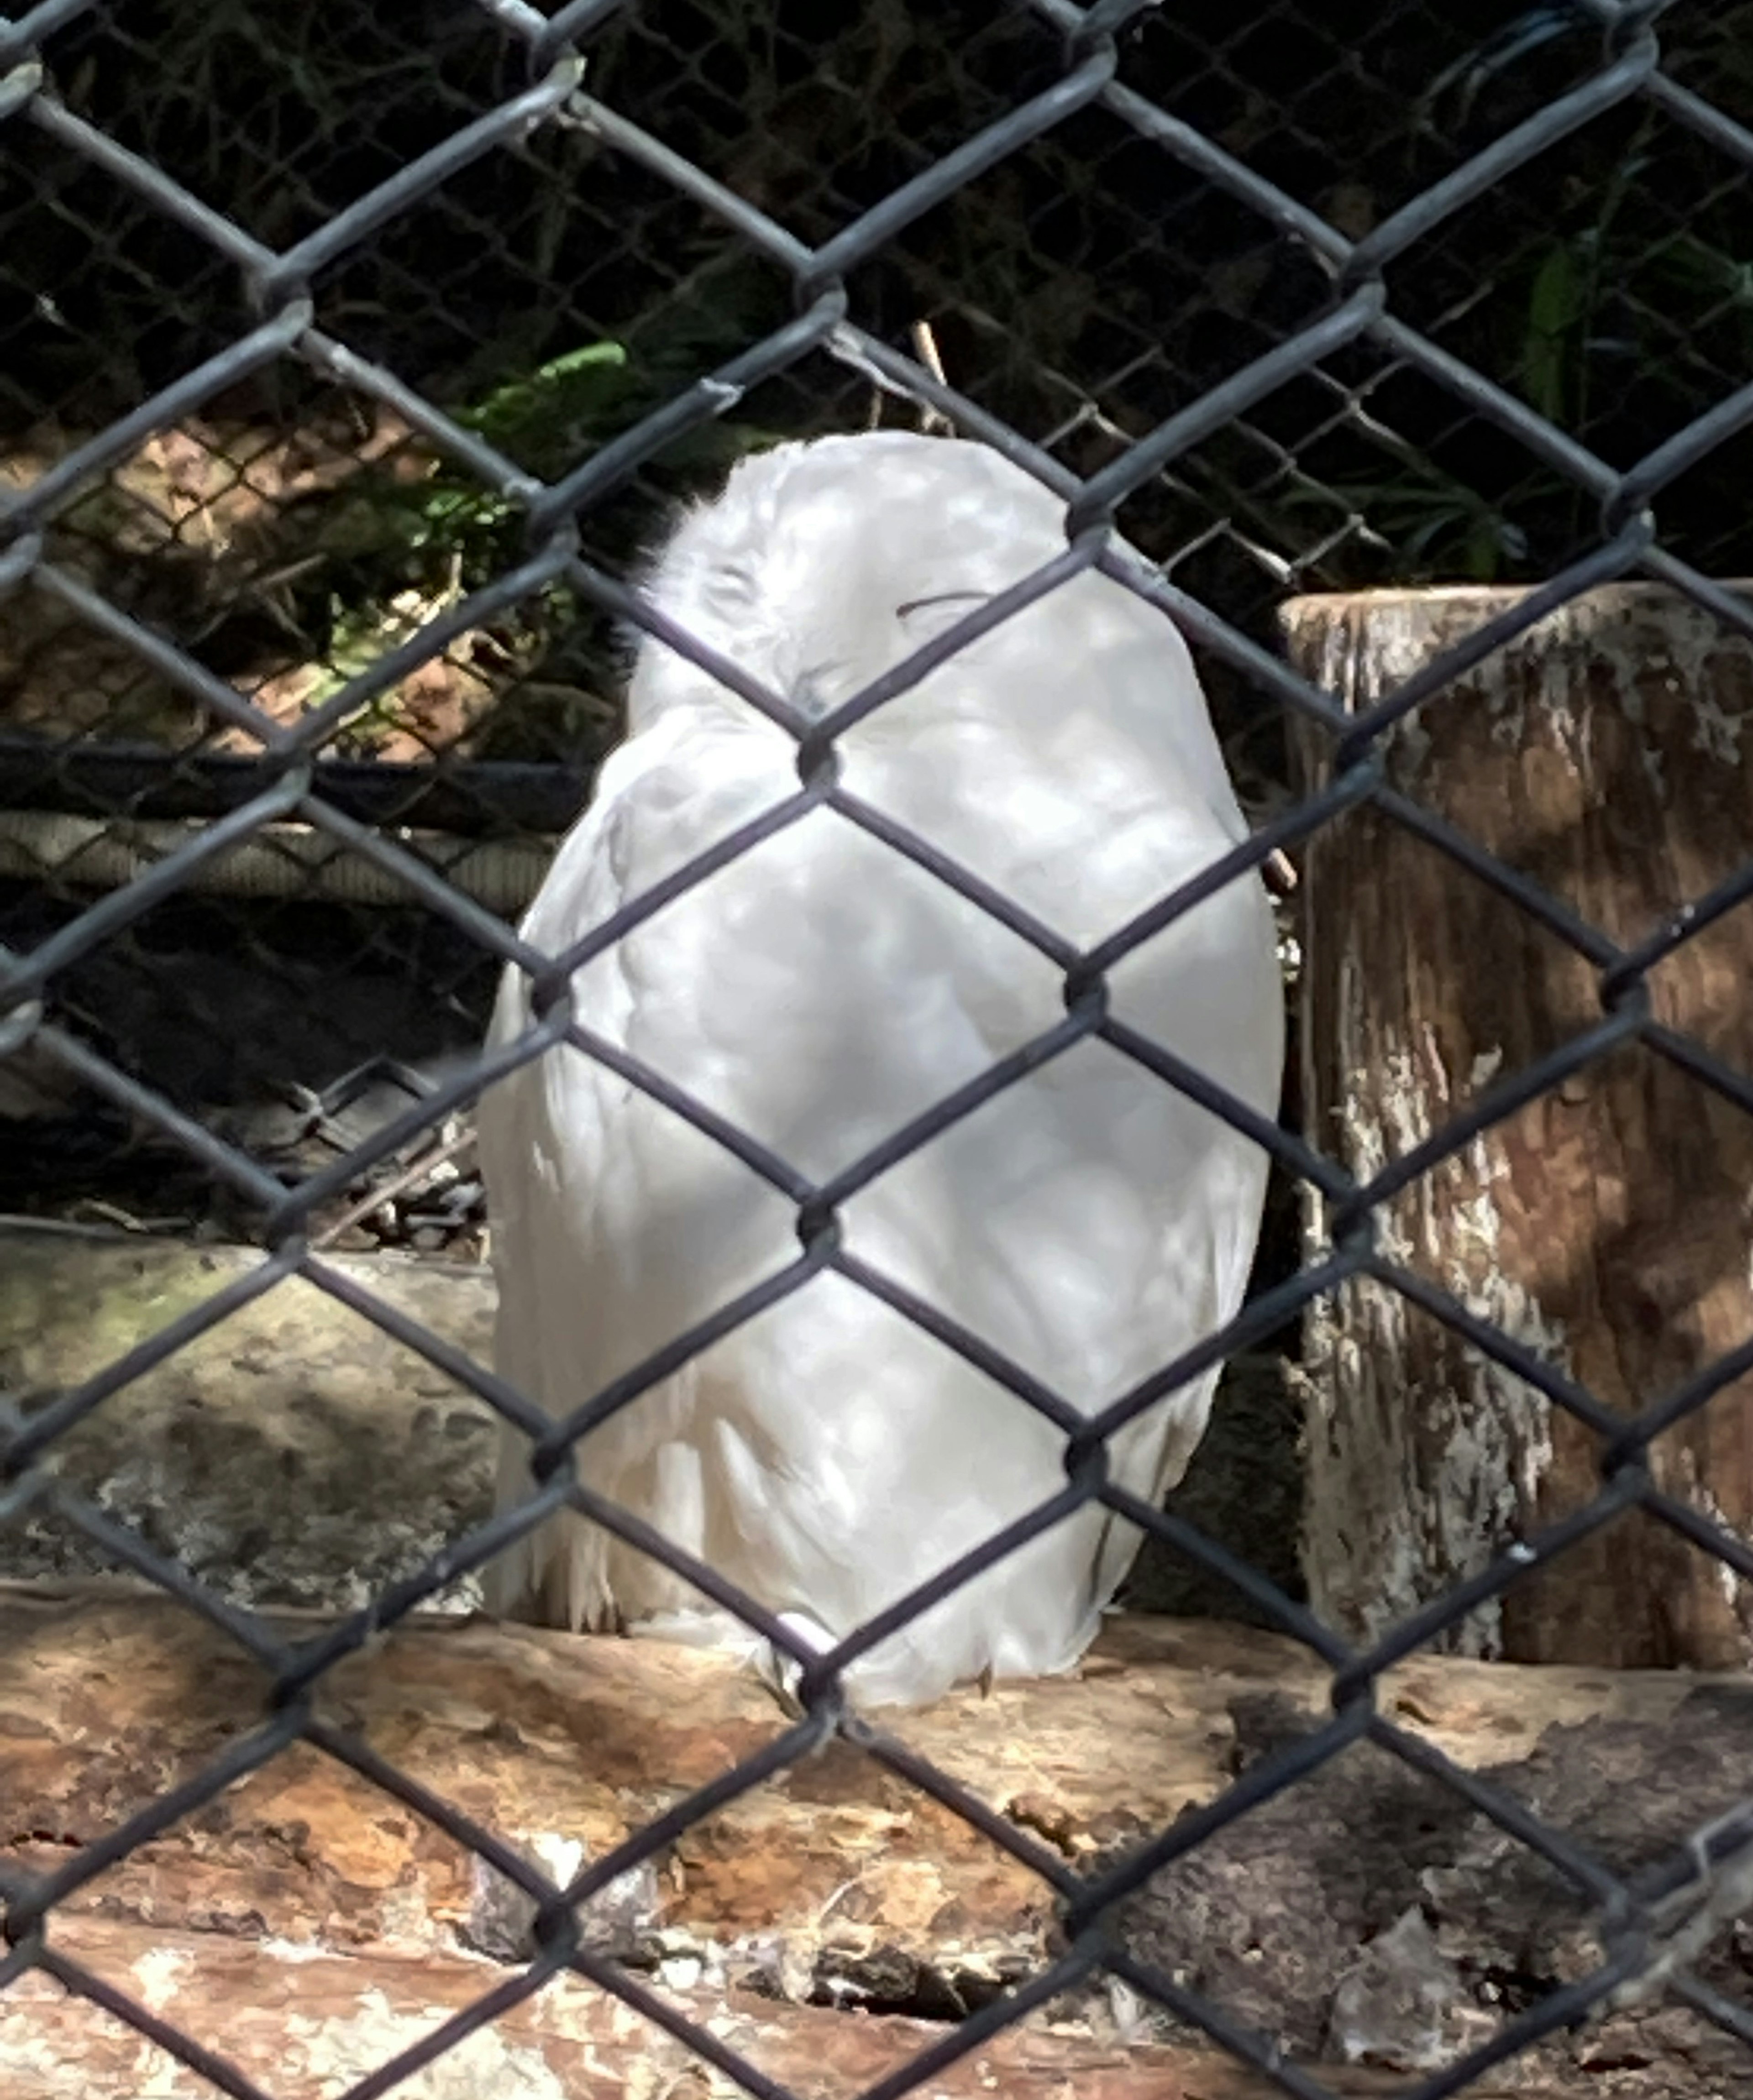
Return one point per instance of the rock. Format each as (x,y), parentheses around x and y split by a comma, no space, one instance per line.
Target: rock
(293,1454)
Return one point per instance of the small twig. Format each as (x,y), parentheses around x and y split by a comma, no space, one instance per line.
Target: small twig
(415,1170)
(22,1221)
(933,422)
(126,1221)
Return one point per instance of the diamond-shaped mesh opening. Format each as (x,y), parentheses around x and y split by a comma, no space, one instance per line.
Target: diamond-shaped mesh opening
(291,1027)
(253,550)
(705,85)
(1619,312)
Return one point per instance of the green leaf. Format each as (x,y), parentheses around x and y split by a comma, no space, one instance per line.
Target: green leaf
(566,395)
(1557,302)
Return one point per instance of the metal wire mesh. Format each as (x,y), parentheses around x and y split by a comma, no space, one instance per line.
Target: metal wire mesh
(1242,472)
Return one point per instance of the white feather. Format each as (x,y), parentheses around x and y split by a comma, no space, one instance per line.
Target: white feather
(1090,1223)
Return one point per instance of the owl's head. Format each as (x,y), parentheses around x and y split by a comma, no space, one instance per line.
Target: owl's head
(822,565)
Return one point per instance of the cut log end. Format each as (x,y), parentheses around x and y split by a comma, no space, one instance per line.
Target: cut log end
(1603,1228)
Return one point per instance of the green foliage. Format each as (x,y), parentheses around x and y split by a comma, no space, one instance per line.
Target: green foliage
(393,547)
(1434,526)
(1558,302)
(543,418)
(1590,332)
(387,528)
(547,421)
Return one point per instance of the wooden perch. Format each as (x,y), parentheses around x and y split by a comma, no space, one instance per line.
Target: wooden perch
(306,1925)
(316,2024)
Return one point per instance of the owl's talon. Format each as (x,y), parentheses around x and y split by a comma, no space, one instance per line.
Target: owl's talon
(778,1676)
(782,1673)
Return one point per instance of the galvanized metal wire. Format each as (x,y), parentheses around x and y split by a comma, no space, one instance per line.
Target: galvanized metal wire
(288,774)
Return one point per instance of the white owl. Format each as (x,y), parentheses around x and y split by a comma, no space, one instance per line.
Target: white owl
(819,991)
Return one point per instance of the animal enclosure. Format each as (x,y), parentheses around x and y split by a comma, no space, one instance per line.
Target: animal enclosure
(356,364)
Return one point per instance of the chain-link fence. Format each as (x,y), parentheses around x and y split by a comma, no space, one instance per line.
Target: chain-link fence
(349,371)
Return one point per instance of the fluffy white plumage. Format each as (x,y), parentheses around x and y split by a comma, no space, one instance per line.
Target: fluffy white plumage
(1090,1222)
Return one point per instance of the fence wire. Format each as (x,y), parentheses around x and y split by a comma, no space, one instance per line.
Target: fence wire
(267,766)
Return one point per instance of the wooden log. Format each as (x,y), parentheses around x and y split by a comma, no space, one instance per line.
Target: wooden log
(1605,1226)
(308,2025)
(558,1742)
(305,1924)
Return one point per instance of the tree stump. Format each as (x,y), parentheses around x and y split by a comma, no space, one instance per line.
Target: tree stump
(1605,1226)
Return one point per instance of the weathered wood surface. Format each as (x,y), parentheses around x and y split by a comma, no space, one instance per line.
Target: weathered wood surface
(307,1924)
(1605,1227)
(315,2024)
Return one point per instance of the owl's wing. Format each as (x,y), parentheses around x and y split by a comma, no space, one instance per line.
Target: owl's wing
(574,1158)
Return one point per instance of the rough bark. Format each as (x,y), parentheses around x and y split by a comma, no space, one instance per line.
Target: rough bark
(305,1924)
(1605,1227)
